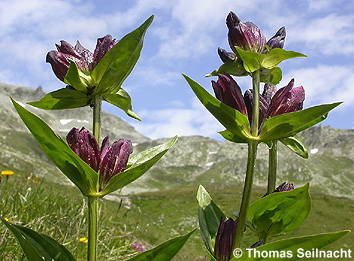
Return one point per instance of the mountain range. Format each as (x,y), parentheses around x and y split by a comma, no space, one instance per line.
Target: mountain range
(194,160)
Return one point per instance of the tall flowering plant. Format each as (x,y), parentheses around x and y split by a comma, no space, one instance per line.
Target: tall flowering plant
(90,78)
(255,117)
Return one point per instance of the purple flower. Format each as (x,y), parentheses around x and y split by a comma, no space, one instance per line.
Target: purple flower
(277,41)
(83,58)
(225,239)
(107,161)
(226,56)
(244,35)
(227,91)
(286,99)
(138,247)
(271,102)
(284,187)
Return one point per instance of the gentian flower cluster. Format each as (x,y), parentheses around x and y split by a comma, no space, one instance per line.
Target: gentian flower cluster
(108,160)
(272,101)
(83,58)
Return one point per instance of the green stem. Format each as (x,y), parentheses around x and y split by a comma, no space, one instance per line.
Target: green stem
(252,154)
(93,201)
(272,169)
(92,229)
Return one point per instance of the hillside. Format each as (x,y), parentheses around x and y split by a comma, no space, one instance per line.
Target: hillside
(194,160)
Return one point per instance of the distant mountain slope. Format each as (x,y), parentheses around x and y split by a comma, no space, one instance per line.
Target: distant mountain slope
(192,161)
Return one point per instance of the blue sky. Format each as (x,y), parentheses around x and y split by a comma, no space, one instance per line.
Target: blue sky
(183,39)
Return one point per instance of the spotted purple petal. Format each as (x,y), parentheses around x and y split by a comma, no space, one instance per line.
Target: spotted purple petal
(226,56)
(277,41)
(104,44)
(284,187)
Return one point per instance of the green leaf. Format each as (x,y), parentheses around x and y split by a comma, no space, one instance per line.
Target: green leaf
(277,55)
(228,135)
(272,76)
(209,216)
(62,99)
(137,166)
(164,252)
(289,124)
(280,212)
(81,174)
(233,67)
(292,245)
(251,60)
(122,100)
(118,62)
(232,119)
(38,247)
(76,78)
(295,145)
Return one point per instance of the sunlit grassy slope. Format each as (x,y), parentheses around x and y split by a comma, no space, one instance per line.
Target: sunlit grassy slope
(150,218)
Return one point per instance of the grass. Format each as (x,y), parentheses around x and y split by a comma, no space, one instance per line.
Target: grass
(148,218)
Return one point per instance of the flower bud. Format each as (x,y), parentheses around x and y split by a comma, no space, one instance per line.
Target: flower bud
(83,58)
(225,56)
(287,99)
(225,239)
(244,35)
(107,161)
(277,41)
(227,91)
(284,187)
(263,105)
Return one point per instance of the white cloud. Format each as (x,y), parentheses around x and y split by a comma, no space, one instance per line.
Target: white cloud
(195,120)
(325,84)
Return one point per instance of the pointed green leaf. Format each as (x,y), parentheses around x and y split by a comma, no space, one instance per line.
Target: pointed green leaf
(232,119)
(289,124)
(138,165)
(293,245)
(118,62)
(209,216)
(122,100)
(280,212)
(233,67)
(277,55)
(295,145)
(62,99)
(81,174)
(164,252)
(251,60)
(228,135)
(76,78)
(38,247)
(272,76)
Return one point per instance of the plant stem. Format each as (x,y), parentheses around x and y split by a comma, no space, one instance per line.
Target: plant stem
(92,229)
(272,169)
(93,201)
(97,118)
(252,154)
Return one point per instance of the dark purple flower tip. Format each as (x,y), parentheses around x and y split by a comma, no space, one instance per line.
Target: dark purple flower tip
(284,187)
(104,44)
(138,247)
(263,105)
(84,144)
(225,239)
(227,91)
(226,56)
(114,158)
(108,161)
(81,56)
(287,99)
(277,41)
(257,244)
(244,35)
